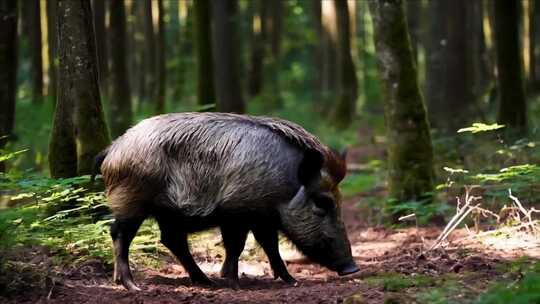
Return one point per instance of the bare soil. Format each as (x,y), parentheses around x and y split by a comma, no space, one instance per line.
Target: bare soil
(376,250)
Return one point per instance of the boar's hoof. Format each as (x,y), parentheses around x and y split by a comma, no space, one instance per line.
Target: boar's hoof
(129,285)
(232,283)
(203,281)
(348,269)
(288,279)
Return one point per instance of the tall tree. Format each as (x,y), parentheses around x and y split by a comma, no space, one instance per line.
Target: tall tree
(203,46)
(534,45)
(79,131)
(512,104)
(120,96)
(328,37)
(459,84)
(410,153)
(150,49)
(52,41)
(413,13)
(255,79)
(226,57)
(99,10)
(272,13)
(32,30)
(161,54)
(347,87)
(8,70)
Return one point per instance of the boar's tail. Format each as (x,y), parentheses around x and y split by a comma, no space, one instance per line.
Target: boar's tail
(98,160)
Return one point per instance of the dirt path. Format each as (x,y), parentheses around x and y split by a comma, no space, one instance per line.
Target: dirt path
(378,251)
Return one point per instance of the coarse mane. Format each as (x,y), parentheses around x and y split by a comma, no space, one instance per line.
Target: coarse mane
(293,133)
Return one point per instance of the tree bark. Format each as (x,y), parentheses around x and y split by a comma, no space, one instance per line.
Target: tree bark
(459,66)
(52,41)
(79,131)
(329,51)
(410,153)
(150,49)
(120,113)
(161,60)
(32,31)
(99,10)
(271,26)
(534,44)
(203,47)
(512,104)
(413,13)
(436,68)
(255,79)
(347,87)
(226,57)
(8,71)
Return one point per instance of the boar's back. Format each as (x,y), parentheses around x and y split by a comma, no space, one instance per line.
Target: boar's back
(196,163)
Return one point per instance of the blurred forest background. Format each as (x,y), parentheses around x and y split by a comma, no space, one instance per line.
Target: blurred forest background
(433,99)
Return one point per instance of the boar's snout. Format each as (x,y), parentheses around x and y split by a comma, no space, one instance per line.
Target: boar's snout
(346,269)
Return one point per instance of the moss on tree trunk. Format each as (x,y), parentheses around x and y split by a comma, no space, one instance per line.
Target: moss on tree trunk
(79,132)
(410,153)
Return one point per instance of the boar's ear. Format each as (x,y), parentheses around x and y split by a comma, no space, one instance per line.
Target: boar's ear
(299,199)
(309,170)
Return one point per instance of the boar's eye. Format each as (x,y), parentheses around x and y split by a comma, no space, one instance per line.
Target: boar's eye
(323,203)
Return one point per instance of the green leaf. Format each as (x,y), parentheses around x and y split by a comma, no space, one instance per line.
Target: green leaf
(481,127)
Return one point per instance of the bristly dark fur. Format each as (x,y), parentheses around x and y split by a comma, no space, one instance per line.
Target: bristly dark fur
(193,171)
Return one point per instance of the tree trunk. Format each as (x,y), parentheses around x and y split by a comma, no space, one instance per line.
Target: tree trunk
(203,46)
(347,88)
(329,38)
(139,54)
(436,68)
(255,79)
(120,116)
(8,70)
(512,104)
(161,60)
(226,57)
(52,41)
(150,49)
(459,66)
(318,59)
(534,45)
(101,42)
(79,131)
(413,13)
(410,153)
(32,31)
(271,26)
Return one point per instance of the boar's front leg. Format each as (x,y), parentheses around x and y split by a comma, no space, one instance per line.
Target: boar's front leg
(122,233)
(234,239)
(268,239)
(177,242)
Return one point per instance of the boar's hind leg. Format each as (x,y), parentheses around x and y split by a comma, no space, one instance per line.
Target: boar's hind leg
(234,239)
(177,242)
(122,232)
(268,239)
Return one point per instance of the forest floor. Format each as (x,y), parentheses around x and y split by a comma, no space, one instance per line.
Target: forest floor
(393,262)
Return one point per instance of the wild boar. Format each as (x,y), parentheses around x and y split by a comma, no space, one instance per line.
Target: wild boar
(194,171)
